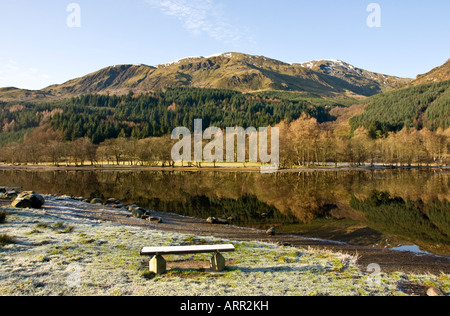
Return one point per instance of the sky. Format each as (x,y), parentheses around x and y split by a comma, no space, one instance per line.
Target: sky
(51,41)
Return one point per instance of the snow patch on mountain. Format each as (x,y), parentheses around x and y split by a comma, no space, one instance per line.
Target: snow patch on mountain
(180,60)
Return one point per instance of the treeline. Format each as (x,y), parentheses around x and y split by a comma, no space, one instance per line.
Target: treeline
(424,106)
(44,145)
(102,117)
(306,142)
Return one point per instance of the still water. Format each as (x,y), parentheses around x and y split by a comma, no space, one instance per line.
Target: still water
(384,209)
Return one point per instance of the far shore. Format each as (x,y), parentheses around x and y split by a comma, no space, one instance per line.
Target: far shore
(210,168)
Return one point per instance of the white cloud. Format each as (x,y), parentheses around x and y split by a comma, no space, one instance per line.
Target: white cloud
(201,16)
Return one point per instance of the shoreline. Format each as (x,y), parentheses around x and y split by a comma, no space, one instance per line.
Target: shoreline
(136,168)
(390,261)
(70,247)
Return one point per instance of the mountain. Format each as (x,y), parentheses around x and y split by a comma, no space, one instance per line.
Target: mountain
(114,79)
(438,74)
(234,71)
(368,80)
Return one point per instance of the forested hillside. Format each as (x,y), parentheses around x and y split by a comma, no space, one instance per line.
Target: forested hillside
(101,117)
(402,127)
(423,106)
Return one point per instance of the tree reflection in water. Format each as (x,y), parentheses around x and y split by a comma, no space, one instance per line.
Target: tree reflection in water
(343,205)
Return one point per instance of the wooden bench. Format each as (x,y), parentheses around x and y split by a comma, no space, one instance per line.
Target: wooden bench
(159,266)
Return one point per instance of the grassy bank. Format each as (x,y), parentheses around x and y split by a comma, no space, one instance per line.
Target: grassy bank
(62,250)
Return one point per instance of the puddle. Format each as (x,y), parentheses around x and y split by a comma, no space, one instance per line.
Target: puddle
(412,248)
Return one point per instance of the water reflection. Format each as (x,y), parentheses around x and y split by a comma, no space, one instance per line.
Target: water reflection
(425,221)
(385,208)
(411,248)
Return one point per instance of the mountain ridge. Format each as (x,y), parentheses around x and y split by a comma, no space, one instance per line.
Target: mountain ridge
(233,71)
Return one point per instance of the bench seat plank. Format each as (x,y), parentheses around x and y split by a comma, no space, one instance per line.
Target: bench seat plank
(185,250)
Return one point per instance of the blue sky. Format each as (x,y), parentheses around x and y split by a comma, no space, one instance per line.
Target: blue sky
(38,48)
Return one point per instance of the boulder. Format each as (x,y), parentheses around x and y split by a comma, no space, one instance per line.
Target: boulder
(284,244)
(63,197)
(112,201)
(21,203)
(223,221)
(156,220)
(97,201)
(271,231)
(435,291)
(28,200)
(9,195)
(139,212)
(213,220)
(132,207)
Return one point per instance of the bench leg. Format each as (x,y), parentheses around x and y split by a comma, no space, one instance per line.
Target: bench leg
(218,262)
(158,265)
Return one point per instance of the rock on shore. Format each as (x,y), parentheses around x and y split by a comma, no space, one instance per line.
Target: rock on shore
(28,200)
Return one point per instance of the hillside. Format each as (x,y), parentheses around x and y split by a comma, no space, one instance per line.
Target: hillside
(422,106)
(110,79)
(14,94)
(423,103)
(234,71)
(100,117)
(438,74)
